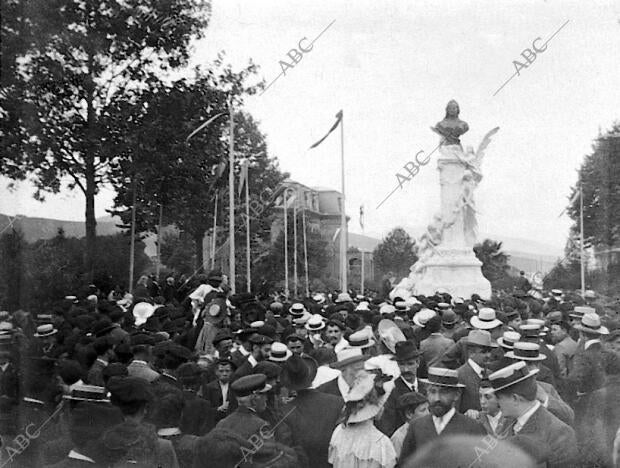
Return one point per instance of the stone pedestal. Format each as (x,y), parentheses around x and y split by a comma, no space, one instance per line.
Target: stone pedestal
(454,267)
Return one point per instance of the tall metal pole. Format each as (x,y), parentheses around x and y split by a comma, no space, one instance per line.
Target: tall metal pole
(303,225)
(132,247)
(161,215)
(285,246)
(343,217)
(362,291)
(231,198)
(295,282)
(583,265)
(213,241)
(247,227)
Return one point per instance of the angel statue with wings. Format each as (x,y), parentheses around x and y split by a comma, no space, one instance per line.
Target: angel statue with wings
(471,178)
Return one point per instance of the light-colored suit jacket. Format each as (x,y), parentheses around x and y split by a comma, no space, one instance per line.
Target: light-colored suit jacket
(142,371)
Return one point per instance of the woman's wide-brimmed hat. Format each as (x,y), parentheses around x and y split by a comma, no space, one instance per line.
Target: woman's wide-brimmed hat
(363,391)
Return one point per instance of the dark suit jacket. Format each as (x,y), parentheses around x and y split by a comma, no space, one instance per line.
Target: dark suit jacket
(95,374)
(244,422)
(213,394)
(470,399)
(587,373)
(312,421)
(422,430)
(553,434)
(330,387)
(599,424)
(393,417)
(433,347)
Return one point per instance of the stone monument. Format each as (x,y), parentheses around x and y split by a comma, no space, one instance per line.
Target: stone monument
(445,250)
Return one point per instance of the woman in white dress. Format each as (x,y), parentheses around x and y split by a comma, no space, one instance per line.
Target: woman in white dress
(356,443)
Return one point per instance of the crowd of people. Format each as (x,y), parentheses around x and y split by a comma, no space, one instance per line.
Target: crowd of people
(199,377)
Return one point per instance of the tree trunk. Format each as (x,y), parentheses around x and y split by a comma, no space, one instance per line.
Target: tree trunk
(199,254)
(91,222)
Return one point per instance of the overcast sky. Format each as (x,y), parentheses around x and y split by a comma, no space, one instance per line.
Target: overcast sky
(392,66)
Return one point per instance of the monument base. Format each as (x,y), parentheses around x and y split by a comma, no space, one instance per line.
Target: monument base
(455,271)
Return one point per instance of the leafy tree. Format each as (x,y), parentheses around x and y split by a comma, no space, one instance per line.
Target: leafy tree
(177,252)
(71,63)
(395,253)
(599,176)
(494,261)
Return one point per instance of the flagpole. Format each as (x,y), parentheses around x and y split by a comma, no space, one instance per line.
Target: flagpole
(158,266)
(247,227)
(213,241)
(583,265)
(132,246)
(303,225)
(285,246)
(231,198)
(295,282)
(362,225)
(343,217)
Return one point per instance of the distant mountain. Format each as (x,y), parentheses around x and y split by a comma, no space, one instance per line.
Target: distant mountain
(45,228)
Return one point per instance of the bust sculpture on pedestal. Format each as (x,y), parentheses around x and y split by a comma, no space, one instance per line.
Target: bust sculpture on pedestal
(445,250)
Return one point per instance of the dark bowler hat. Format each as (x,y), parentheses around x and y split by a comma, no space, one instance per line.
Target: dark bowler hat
(220,336)
(179,352)
(409,399)
(127,390)
(448,317)
(249,384)
(102,326)
(141,339)
(270,369)
(406,350)
(443,377)
(260,339)
(189,372)
(226,360)
(510,375)
(298,372)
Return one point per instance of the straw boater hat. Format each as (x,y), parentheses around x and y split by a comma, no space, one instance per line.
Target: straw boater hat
(300,321)
(423,316)
(480,338)
(45,330)
(591,323)
(347,357)
(363,391)
(508,339)
(279,352)
(361,339)
(257,324)
(580,311)
(390,334)
(442,377)
(315,323)
(343,297)
(88,393)
(526,351)
(510,375)
(543,329)
(486,319)
(387,309)
(297,309)
(362,306)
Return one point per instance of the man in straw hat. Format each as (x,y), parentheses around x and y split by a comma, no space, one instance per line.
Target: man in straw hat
(350,361)
(515,387)
(587,373)
(313,415)
(443,392)
(545,392)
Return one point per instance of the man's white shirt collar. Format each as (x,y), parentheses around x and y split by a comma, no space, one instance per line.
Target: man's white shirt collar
(243,351)
(494,420)
(411,386)
(524,418)
(441,422)
(78,456)
(252,360)
(477,369)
